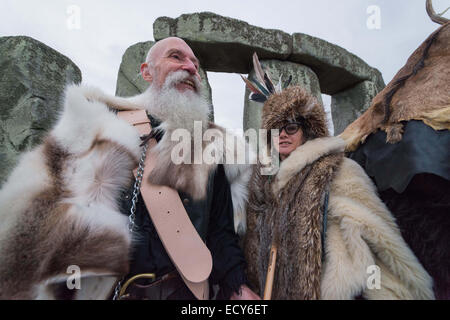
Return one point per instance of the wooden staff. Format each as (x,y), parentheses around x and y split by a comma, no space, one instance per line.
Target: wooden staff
(270,272)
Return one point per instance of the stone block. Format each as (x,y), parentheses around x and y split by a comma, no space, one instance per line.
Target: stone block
(348,105)
(33,77)
(224,44)
(336,68)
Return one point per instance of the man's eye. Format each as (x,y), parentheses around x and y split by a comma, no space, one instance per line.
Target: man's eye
(176,56)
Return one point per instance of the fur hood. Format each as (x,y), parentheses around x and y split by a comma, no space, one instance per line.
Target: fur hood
(295,103)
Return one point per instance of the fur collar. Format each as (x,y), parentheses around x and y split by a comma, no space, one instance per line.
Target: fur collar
(304,155)
(190,178)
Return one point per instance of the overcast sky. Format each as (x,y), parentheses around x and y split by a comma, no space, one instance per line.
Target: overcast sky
(108,27)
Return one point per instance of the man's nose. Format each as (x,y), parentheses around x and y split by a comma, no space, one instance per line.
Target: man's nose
(190,67)
(283,133)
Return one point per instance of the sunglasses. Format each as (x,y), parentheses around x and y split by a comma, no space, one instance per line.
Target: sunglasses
(291,128)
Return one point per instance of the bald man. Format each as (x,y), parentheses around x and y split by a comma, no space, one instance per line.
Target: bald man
(175,100)
(65,232)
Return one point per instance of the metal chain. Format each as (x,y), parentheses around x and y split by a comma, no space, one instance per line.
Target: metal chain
(137,189)
(134,200)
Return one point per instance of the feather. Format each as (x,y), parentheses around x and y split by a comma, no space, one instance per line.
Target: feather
(288,82)
(262,88)
(269,83)
(258,69)
(258,97)
(250,86)
(278,87)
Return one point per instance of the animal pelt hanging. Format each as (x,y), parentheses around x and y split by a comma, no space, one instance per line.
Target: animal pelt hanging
(419,91)
(58,208)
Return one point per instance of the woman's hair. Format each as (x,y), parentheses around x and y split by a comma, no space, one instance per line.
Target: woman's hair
(304,127)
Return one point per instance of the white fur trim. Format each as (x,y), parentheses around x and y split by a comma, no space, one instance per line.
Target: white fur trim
(82,120)
(304,155)
(238,176)
(26,181)
(362,232)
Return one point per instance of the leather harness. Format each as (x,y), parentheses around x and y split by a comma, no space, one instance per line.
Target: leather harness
(186,249)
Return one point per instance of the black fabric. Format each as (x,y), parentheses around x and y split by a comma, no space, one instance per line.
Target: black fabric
(228,258)
(413,180)
(422,213)
(421,150)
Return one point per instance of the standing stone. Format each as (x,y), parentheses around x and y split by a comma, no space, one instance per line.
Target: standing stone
(33,77)
(348,105)
(336,68)
(301,75)
(130,82)
(224,44)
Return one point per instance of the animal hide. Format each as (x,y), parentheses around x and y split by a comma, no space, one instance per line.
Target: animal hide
(192,178)
(289,213)
(360,233)
(363,233)
(59,206)
(419,91)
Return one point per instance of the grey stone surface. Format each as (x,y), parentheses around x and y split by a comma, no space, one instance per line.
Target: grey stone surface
(130,82)
(301,75)
(336,68)
(32,80)
(224,44)
(348,105)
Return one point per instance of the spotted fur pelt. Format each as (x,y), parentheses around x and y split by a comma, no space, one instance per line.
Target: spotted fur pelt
(59,207)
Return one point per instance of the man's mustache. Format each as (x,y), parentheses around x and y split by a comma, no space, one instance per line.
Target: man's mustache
(182,76)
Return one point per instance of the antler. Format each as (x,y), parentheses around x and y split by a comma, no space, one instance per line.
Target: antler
(434,16)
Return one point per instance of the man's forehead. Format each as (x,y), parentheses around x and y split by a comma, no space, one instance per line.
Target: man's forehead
(169,45)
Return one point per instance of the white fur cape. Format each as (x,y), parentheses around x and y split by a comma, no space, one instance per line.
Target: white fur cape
(59,206)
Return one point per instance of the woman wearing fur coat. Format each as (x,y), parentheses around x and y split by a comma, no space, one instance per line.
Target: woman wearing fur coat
(335,238)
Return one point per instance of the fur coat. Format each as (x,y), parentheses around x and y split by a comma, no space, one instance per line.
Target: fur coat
(59,207)
(361,236)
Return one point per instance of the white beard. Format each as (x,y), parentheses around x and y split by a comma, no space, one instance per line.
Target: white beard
(174,108)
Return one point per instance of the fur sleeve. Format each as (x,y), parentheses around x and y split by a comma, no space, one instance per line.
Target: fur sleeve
(370,235)
(58,208)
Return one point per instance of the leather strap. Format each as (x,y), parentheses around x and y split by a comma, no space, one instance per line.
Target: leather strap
(181,240)
(138,119)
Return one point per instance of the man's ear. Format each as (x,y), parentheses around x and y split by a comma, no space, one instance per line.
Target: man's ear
(145,72)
